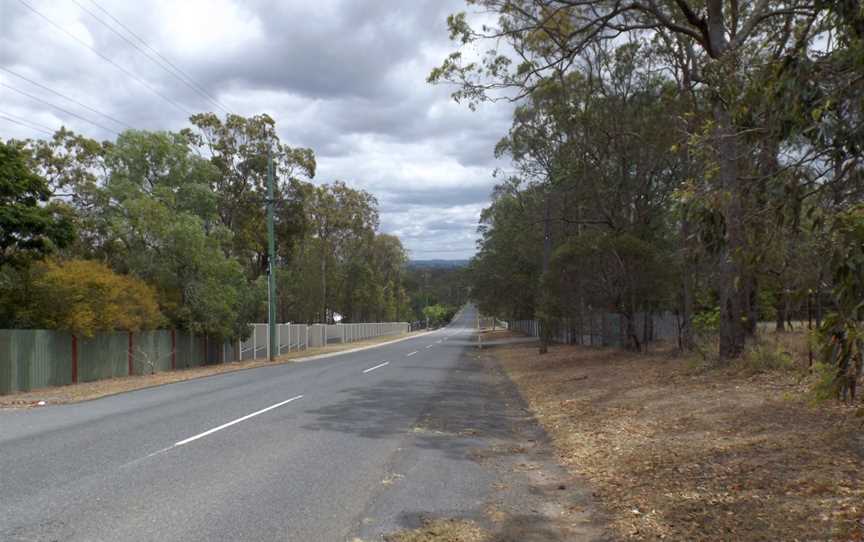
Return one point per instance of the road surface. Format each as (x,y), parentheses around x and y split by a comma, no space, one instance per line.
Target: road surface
(342,448)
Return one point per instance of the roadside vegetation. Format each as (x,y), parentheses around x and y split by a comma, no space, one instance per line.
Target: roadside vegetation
(675,451)
(703,159)
(167,229)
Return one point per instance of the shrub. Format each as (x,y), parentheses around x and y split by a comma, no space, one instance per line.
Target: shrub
(761,358)
(86,297)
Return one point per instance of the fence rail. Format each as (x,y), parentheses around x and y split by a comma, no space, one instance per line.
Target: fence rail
(40,358)
(604,329)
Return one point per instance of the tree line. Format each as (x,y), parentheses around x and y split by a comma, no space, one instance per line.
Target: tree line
(169,229)
(703,157)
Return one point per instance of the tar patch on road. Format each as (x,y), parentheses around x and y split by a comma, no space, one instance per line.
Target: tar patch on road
(476,463)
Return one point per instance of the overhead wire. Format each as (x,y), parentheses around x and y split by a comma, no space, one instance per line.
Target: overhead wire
(55,106)
(25,123)
(60,94)
(22,119)
(161,61)
(105,58)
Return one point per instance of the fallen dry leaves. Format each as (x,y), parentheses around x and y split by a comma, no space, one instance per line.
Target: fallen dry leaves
(441,530)
(679,454)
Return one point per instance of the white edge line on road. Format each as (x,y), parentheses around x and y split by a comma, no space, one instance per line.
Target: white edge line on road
(370,369)
(238,420)
(411,354)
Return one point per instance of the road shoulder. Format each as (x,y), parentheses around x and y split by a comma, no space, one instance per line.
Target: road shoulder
(678,452)
(479,432)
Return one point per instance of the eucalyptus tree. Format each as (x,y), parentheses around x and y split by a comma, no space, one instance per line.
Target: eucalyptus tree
(238,148)
(28,227)
(533,40)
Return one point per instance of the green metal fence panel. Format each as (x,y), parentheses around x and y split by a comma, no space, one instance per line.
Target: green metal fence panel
(51,358)
(184,350)
(6,372)
(151,351)
(34,358)
(104,356)
(31,359)
(192,350)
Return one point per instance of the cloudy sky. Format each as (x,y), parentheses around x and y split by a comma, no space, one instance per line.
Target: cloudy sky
(344,77)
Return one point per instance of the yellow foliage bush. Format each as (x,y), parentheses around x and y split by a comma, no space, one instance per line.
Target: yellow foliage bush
(86,297)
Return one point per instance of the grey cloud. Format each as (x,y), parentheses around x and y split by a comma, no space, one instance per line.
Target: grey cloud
(344,77)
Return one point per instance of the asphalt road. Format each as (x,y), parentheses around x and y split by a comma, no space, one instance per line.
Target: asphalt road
(350,446)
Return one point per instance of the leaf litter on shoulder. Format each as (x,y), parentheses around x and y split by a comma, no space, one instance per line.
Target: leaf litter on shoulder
(682,455)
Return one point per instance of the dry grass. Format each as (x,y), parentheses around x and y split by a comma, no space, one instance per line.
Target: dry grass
(441,530)
(677,451)
(101,388)
(498,334)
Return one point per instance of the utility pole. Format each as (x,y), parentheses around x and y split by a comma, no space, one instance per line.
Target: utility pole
(271,258)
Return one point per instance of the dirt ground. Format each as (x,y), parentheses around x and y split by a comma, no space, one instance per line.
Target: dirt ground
(101,388)
(677,451)
(442,530)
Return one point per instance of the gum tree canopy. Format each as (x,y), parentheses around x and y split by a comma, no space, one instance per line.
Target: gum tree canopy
(742,65)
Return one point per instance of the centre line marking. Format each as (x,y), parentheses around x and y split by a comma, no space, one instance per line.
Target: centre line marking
(370,369)
(411,354)
(238,420)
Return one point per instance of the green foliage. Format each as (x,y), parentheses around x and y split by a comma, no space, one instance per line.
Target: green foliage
(424,285)
(727,152)
(439,315)
(86,297)
(825,386)
(185,212)
(28,227)
(766,357)
(707,321)
(842,332)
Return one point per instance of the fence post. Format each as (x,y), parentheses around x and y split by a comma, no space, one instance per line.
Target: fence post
(131,369)
(173,350)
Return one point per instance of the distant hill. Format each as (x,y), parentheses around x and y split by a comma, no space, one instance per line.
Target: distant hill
(438,264)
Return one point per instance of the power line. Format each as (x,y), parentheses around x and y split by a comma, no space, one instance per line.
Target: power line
(22,119)
(105,58)
(180,74)
(40,100)
(76,102)
(24,124)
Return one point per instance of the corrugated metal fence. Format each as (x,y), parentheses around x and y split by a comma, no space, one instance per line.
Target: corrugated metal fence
(39,358)
(605,329)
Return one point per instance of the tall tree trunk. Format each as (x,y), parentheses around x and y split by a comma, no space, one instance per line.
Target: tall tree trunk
(686,341)
(324,287)
(633,342)
(752,288)
(780,307)
(545,330)
(734,288)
